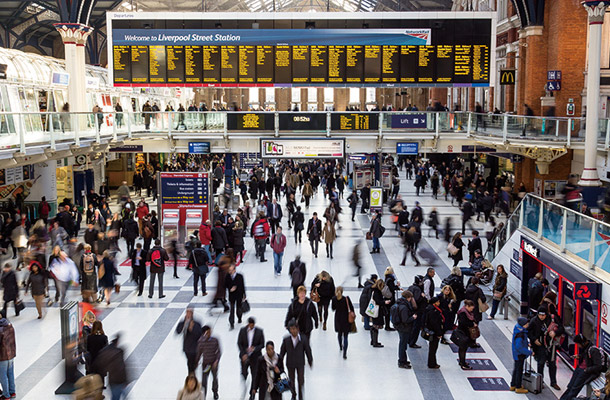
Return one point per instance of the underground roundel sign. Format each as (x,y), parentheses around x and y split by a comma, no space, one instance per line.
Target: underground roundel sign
(587,291)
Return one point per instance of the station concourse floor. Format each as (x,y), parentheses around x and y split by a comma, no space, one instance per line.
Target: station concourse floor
(157,364)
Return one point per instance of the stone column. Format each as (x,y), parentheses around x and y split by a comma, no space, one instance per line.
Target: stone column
(74,37)
(596,11)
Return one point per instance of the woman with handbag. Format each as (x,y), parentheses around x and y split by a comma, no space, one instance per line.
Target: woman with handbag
(268,373)
(455,248)
(325,287)
(377,314)
(499,290)
(448,306)
(344,318)
(434,329)
(462,335)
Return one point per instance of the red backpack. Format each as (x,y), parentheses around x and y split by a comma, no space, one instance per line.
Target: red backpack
(156,257)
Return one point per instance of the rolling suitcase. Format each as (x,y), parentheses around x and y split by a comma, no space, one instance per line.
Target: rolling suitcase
(532,381)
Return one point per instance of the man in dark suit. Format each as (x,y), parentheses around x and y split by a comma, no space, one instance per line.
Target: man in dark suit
(234,283)
(296,347)
(250,342)
(191,337)
(138,266)
(474,244)
(314,230)
(274,214)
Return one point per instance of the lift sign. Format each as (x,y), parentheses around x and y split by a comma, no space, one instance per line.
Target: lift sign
(587,291)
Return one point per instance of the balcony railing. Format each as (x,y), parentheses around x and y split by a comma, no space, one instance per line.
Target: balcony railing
(19,130)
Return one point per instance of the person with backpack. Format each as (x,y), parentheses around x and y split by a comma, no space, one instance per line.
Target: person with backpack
(260,232)
(592,362)
(198,261)
(434,327)
(87,268)
(521,352)
(541,332)
(157,257)
(297,272)
(403,315)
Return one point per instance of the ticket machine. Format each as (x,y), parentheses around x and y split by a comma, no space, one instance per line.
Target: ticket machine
(192,221)
(169,226)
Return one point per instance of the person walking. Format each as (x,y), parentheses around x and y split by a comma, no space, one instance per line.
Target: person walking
(352,199)
(219,240)
(307,193)
(458,243)
(303,312)
(205,236)
(95,342)
(198,262)
(11,289)
(274,214)
(466,320)
(298,219)
(324,285)
(295,348)
(111,361)
(499,290)
(521,351)
(107,280)
(278,244)
(297,272)
(344,311)
(8,352)
(130,232)
(435,321)
(88,273)
(138,264)
(191,389)
(39,284)
(314,231)
(157,257)
(403,315)
(234,283)
(250,342)
(474,293)
(191,331)
(329,235)
(260,233)
(268,372)
(64,271)
(208,349)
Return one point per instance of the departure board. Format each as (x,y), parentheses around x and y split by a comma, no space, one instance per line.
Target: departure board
(390,64)
(300,64)
(336,64)
(372,64)
(157,64)
(354,121)
(264,64)
(250,121)
(425,66)
(229,64)
(211,64)
(121,65)
(422,52)
(175,64)
(193,64)
(318,64)
(247,64)
(283,70)
(139,64)
(354,64)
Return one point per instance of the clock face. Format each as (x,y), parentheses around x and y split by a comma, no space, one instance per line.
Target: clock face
(81,159)
(376,195)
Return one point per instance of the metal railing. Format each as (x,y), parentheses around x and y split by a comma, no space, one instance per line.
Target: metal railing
(563,228)
(18,130)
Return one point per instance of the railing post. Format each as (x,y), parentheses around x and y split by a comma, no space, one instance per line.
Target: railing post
(557,127)
(98,127)
(129,124)
(224,124)
(114,132)
(21,134)
(505,127)
(564,230)
(569,132)
(77,129)
(469,123)
(51,132)
(521,213)
(276,123)
(328,123)
(380,133)
(170,123)
(540,220)
(592,245)
(608,133)
(437,127)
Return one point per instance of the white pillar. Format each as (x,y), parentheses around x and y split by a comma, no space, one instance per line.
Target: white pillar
(75,37)
(596,10)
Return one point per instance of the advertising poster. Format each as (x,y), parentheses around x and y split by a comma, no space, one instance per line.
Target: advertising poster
(376,199)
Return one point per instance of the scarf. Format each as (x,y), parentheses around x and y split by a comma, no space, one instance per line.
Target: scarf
(469,314)
(271,364)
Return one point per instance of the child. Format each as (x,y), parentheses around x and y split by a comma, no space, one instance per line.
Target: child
(520,352)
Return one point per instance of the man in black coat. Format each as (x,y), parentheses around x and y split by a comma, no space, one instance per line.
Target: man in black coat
(90,235)
(434,324)
(314,230)
(474,244)
(295,348)
(130,232)
(297,278)
(219,240)
(138,265)
(198,262)
(250,342)
(537,331)
(234,283)
(157,257)
(420,300)
(191,337)
(365,192)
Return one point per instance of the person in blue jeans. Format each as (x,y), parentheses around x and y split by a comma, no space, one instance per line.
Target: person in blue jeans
(521,352)
(278,244)
(8,351)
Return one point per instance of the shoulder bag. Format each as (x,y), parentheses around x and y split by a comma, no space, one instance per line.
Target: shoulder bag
(313,295)
(351,315)
(283,384)
(483,306)
(452,249)
(474,332)
(372,310)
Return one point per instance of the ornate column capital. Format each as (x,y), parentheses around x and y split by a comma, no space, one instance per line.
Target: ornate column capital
(596,11)
(72,33)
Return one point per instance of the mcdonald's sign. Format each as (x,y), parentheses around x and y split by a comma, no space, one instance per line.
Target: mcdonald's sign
(507,77)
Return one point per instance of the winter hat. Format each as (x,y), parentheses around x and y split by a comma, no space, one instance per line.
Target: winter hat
(522,321)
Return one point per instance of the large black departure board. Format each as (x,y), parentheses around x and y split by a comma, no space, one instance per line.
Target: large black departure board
(430,53)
